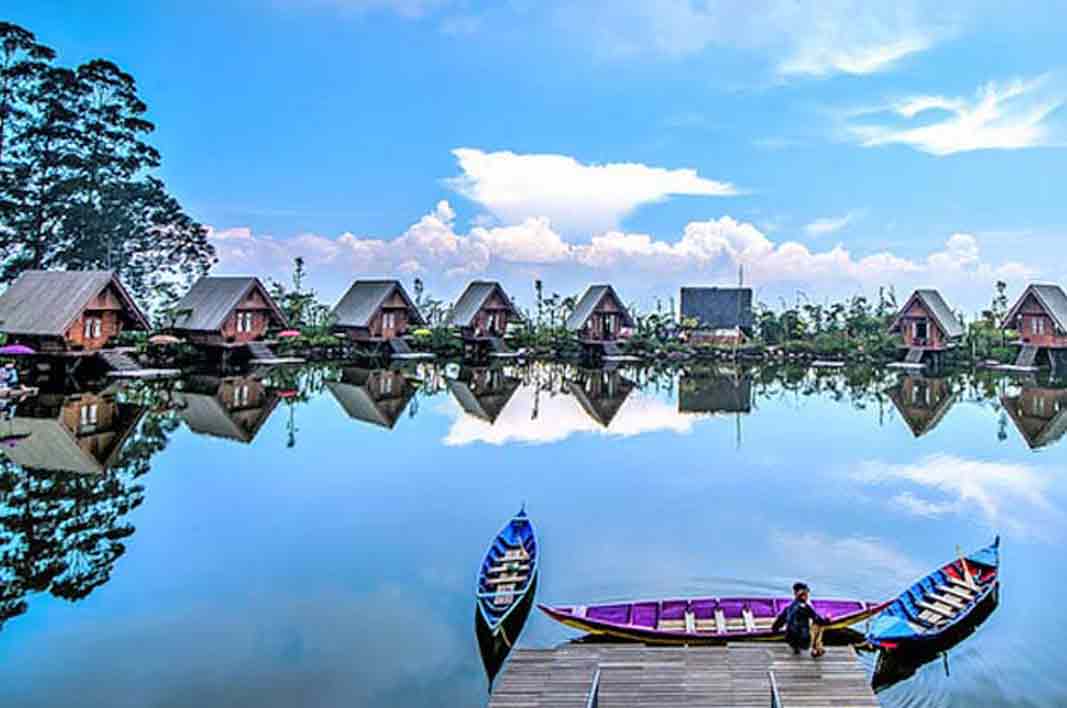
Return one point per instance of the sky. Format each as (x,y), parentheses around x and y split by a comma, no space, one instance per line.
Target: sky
(815,149)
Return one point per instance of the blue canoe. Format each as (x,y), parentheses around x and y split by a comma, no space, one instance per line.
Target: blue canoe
(933,606)
(508,572)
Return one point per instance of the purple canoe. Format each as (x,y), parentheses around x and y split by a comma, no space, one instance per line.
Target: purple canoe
(710,620)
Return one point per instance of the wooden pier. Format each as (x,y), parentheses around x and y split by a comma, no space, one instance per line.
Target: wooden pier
(635,676)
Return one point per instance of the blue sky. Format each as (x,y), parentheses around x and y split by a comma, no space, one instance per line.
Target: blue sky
(827,147)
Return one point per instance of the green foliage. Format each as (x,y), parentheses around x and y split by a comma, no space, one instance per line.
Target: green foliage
(76,189)
(301,305)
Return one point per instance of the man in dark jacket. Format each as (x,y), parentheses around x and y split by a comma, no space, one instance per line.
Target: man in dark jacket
(803,625)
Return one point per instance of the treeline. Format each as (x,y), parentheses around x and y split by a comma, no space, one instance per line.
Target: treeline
(76,183)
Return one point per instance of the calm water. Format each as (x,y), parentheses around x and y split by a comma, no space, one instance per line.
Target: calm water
(311,539)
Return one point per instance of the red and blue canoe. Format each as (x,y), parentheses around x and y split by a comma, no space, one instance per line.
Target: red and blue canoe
(708,620)
(937,603)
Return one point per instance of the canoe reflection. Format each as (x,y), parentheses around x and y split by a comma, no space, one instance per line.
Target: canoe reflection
(495,646)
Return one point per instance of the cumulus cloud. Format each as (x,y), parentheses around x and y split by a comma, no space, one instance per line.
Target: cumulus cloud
(1001,116)
(827,225)
(436,250)
(572,194)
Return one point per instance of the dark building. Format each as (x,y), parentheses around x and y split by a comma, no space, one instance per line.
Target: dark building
(723,315)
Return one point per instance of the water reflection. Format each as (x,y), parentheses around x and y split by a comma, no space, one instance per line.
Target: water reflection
(375,396)
(484,392)
(715,391)
(601,393)
(232,408)
(1039,414)
(923,402)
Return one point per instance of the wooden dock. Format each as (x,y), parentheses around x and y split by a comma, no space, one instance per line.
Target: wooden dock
(636,676)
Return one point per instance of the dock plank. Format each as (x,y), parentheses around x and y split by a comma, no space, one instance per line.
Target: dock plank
(636,676)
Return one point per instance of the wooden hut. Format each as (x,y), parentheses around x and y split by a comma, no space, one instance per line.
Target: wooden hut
(714,392)
(377,396)
(482,315)
(232,408)
(377,314)
(598,320)
(483,392)
(723,315)
(82,434)
(1040,318)
(1039,413)
(923,402)
(67,311)
(601,393)
(226,311)
(927,327)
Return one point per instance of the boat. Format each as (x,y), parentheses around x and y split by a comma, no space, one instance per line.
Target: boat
(495,646)
(708,620)
(900,664)
(508,574)
(935,605)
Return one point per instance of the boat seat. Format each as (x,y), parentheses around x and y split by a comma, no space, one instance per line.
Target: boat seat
(763,623)
(505,579)
(937,608)
(706,625)
(505,598)
(736,624)
(952,602)
(501,567)
(515,554)
(672,625)
(961,583)
(956,591)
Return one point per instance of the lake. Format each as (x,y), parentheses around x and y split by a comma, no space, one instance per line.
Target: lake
(310,537)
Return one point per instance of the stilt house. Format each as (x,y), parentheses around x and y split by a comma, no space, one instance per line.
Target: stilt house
(927,327)
(723,315)
(599,318)
(482,315)
(1040,318)
(64,311)
(220,311)
(376,312)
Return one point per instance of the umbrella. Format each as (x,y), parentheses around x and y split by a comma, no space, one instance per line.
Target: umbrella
(289,333)
(164,339)
(16,350)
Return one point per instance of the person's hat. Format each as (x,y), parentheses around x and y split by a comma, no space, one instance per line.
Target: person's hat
(798,586)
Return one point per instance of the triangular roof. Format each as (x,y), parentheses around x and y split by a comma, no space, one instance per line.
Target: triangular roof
(484,405)
(1051,298)
(213,298)
(474,298)
(1039,431)
(602,409)
(718,308)
(204,413)
(47,302)
(50,445)
(921,418)
(355,397)
(358,306)
(588,302)
(936,306)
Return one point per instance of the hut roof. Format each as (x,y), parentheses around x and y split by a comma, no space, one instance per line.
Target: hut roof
(715,394)
(1052,299)
(473,299)
(1036,430)
(365,298)
(937,307)
(212,298)
(587,304)
(46,303)
(718,308)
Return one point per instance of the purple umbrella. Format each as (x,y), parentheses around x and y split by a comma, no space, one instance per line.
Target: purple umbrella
(16,350)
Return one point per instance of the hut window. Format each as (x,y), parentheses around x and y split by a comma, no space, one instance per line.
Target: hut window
(92,328)
(388,320)
(241,395)
(244,321)
(88,415)
(1039,325)
(387,385)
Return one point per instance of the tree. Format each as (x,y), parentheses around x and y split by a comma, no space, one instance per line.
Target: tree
(22,60)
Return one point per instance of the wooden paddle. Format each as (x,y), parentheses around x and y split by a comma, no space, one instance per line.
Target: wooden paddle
(966,571)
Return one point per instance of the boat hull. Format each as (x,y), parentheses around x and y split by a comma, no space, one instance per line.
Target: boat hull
(513,555)
(644,621)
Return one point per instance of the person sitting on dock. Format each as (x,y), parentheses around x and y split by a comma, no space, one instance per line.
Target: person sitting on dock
(803,625)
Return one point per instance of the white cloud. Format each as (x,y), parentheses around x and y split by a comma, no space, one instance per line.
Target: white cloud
(827,225)
(1010,496)
(1008,116)
(876,566)
(707,251)
(560,416)
(799,38)
(572,194)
